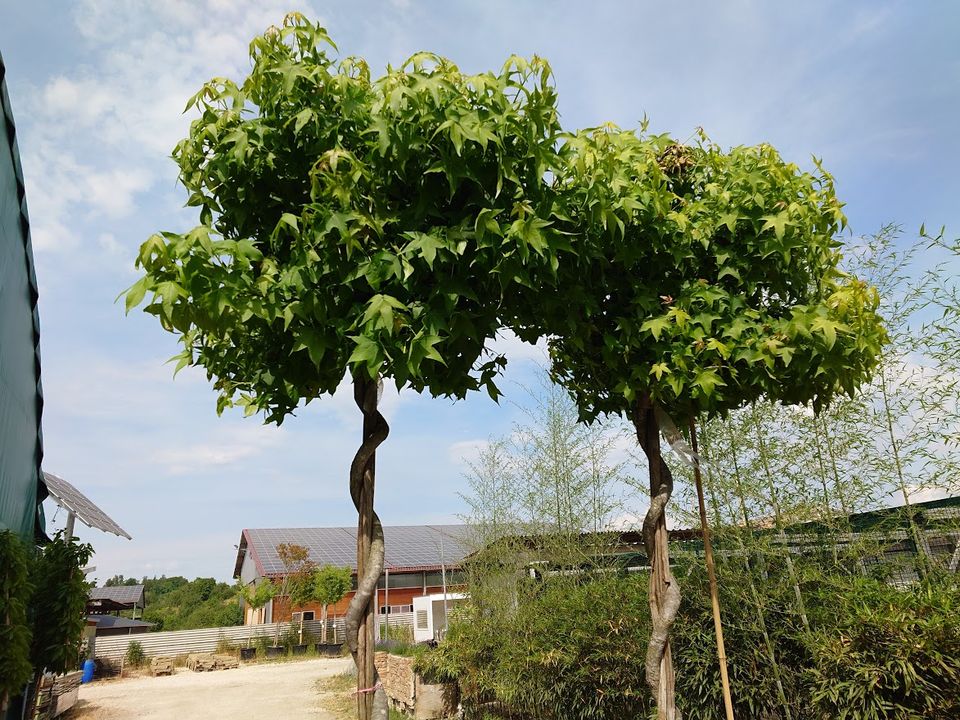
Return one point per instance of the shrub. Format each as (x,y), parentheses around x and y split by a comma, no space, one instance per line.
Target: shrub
(260,643)
(15,635)
(574,649)
(135,655)
(58,603)
(888,654)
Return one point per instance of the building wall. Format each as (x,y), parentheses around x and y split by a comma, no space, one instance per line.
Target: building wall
(398,596)
(248,569)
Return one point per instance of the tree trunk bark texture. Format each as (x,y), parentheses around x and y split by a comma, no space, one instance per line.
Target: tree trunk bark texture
(360,617)
(664,590)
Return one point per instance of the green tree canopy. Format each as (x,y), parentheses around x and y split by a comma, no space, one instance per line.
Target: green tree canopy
(331,584)
(705,280)
(353,224)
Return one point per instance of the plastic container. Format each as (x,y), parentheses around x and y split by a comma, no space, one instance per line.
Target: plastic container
(87,671)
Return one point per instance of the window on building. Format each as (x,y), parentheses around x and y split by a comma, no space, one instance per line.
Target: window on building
(422,620)
(394,609)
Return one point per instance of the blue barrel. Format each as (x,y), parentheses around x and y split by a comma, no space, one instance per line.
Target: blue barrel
(87,671)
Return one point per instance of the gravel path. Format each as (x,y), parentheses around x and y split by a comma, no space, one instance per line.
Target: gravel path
(286,690)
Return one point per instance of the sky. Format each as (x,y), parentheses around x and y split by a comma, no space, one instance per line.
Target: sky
(98,89)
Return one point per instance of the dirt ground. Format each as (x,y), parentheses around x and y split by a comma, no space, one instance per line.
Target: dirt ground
(283,690)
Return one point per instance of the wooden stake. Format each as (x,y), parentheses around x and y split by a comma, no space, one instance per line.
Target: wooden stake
(712,575)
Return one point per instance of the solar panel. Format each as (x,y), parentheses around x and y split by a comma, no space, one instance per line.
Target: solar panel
(67,496)
(123,594)
(406,546)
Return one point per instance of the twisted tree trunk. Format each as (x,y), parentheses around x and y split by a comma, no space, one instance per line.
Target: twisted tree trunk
(664,590)
(360,618)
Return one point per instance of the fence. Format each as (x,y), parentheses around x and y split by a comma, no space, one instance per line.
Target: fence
(181,642)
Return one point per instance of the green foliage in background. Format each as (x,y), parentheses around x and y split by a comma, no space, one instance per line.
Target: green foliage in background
(175,603)
(331,584)
(15,632)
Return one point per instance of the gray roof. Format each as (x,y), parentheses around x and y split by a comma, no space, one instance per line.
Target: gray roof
(408,547)
(123,594)
(112,621)
(67,496)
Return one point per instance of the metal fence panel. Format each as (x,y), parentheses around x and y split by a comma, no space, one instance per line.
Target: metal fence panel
(181,642)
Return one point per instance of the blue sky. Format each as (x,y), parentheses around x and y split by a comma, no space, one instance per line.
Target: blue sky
(98,87)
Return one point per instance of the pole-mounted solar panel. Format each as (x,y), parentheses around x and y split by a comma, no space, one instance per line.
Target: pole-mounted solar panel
(79,505)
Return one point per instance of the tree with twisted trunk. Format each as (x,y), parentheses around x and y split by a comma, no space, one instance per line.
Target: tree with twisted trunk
(704,280)
(358,227)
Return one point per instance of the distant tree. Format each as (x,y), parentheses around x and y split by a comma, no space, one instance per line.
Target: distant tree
(118,580)
(295,583)
(176,603)
(330,585)
(256,596)
(204,587)
(301,592)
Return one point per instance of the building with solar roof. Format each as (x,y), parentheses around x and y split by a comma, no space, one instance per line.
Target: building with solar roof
(420,560)
(116,598)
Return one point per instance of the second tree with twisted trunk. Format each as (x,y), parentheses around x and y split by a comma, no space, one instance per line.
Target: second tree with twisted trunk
(704,280)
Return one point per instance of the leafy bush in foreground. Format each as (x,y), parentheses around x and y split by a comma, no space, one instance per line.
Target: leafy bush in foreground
(574,650)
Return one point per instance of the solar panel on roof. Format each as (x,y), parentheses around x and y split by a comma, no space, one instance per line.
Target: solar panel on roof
(67,496)
(123,594)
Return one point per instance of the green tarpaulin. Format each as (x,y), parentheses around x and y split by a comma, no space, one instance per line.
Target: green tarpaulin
(21,400)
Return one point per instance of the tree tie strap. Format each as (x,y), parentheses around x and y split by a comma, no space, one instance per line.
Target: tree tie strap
(369,689)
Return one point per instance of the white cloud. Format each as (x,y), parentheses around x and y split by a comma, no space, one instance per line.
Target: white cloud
(466,451)
(625,521)
(227,446)
(82,101)
(63,192)
(49,235)
(112,192)
(101,133)
(98,388)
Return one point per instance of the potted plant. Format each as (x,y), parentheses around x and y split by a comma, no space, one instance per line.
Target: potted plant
(301,591)
(330,585)
(297,569)
(256,597)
